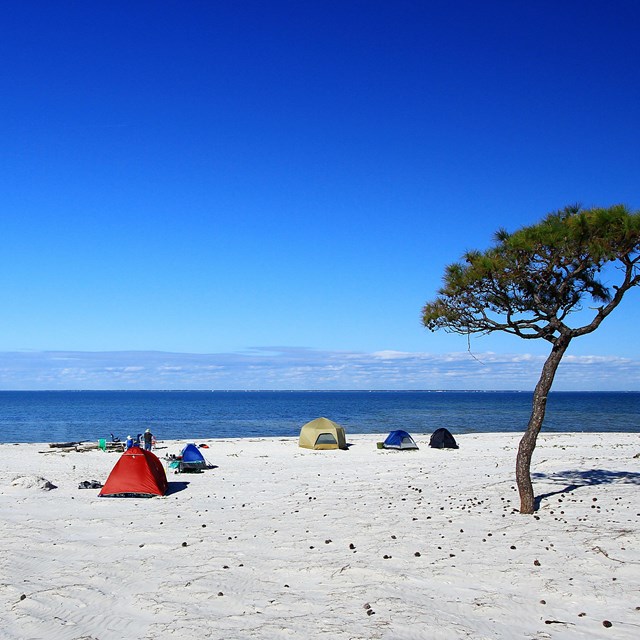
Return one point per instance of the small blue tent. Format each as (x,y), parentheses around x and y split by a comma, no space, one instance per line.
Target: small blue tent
(192,459)
(399,440)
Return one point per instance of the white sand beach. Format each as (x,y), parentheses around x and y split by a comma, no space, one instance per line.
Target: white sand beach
(281,542)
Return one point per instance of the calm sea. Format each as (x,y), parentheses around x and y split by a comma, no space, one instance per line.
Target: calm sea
(62,416)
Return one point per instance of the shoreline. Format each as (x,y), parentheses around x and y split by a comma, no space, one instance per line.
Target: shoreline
(423,436)
(277,541)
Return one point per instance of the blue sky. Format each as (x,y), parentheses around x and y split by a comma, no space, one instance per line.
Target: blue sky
(264,194)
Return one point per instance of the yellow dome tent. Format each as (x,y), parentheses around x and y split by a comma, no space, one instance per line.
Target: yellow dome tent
(322,433)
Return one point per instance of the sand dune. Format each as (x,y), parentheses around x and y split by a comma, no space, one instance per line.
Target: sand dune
(281,542)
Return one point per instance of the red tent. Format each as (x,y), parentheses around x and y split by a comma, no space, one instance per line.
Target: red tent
(137,472)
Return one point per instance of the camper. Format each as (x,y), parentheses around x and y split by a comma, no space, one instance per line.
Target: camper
(322,433)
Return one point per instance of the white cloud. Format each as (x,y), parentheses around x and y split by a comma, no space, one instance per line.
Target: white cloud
(392,355)
(300,368)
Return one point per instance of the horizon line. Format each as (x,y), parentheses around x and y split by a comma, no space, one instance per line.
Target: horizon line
(307,391)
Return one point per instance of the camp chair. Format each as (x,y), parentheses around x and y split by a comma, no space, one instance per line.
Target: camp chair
(102,444)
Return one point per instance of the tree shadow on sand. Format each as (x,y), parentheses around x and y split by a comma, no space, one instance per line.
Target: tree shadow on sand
(574,479)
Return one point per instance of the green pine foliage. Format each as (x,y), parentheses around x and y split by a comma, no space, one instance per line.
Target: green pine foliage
(531,281)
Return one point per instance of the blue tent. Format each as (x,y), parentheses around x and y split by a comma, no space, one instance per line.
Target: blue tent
(399,440)
(192,459)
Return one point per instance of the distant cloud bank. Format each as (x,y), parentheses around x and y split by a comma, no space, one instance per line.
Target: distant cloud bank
(289,368)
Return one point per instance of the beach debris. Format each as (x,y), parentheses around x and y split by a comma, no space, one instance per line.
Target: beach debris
(90,484)
(33,482)
(607,624)
(82,447)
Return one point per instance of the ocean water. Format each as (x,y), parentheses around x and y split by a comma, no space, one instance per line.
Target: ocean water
(63,416)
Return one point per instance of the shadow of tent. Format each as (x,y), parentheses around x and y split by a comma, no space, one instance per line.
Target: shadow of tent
(175,487)
(573,479)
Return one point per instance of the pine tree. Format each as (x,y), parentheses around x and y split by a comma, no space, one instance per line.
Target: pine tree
(532,283)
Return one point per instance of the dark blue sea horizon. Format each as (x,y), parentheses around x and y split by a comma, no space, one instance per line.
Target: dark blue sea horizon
(64,416)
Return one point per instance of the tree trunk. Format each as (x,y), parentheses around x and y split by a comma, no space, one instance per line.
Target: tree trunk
(539,407)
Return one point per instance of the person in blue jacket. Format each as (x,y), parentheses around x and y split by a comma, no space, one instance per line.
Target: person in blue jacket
(128,443)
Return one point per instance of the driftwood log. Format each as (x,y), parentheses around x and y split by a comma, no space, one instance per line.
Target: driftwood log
(64,445)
